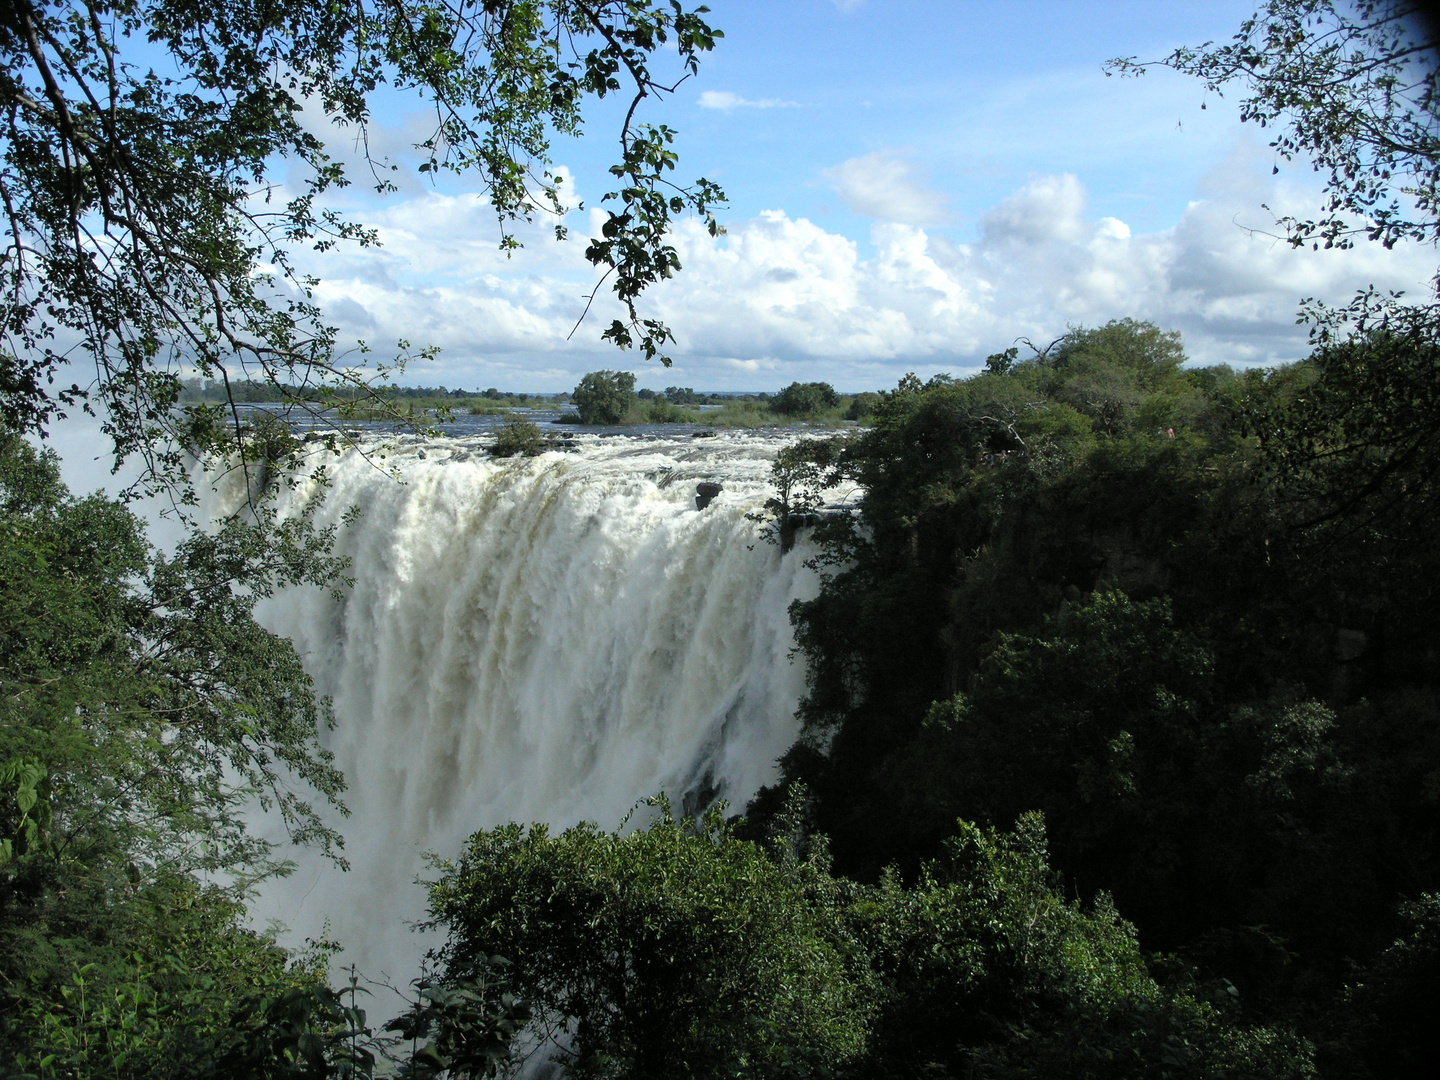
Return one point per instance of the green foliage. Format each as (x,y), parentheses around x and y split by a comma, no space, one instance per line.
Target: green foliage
(137,134)
(1124,376)
(683,950)
(152,977)
(1352,449)
(673,950)
(140,708)
(26,782)
(805,399)
(1353,87)
(862,405)
(518,438)
(605,397)
(307,1030)
(802,472)
(988,971)
(1189,813)
(1183,612)
(733,413)
(1396,995)
(661,411)
(470,1024)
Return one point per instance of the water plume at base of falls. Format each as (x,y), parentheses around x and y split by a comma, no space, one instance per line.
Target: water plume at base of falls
(547,639)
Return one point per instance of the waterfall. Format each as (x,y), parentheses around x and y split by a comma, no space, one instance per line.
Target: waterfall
(547,639)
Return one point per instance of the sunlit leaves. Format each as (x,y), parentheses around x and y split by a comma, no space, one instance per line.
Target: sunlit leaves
(147,229)
(1353,87)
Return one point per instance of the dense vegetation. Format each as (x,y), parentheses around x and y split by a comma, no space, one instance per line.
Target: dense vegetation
(140,709)
(1121,753)
(683,950)
(1186,615)
(607,398)
(143,712)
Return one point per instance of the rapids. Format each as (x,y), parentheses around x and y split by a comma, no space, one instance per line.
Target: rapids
(547,639)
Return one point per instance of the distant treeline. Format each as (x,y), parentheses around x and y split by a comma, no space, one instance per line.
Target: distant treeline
(607,398)
(256,392)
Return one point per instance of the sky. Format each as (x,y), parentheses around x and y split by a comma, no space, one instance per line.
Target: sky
(913,185)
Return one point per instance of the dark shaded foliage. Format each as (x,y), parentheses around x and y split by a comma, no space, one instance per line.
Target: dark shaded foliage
(1185,613)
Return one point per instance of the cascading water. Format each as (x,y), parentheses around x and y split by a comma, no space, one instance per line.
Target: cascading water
(545,639)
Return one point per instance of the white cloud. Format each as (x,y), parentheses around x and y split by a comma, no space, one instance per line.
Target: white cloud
(726,100)
(1046,211)
(781,298)
(885,186)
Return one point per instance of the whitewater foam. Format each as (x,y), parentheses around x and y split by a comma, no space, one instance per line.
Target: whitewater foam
(547,639)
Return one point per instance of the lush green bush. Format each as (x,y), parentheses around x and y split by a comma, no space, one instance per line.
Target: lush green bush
(673,950)
(862,405)
(140,707)
(805,399)
(518,438)
(605,397)
(683,950)
(662,412)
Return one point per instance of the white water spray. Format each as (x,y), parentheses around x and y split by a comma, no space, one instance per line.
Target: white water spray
(544,639)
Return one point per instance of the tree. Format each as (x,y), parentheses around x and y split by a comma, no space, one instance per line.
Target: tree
(518,437)
(605,397)
(1201,647)
(141,709)
(805,399)
(144,229)
(801,474)
(674,950)
(681,949)
(1353,86)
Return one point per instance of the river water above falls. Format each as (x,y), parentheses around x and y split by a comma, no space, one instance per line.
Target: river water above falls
(547,639)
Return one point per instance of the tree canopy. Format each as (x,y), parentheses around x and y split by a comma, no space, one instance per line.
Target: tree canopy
(683,950)
(1353,86)
(146,230)
(805,399)
(141,710)
(1183,612)
(605,397)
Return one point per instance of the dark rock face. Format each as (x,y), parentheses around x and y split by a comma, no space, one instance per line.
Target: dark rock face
(705,494)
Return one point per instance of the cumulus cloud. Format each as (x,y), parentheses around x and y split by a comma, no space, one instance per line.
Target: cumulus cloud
(781,298)
(1046,211)
(885,186)
(726,100)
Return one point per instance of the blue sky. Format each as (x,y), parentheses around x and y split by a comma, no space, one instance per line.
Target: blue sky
(913,185)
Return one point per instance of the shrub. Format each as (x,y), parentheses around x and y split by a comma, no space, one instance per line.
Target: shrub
(862,405)
(805,399)
(605,397)
(519,437)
